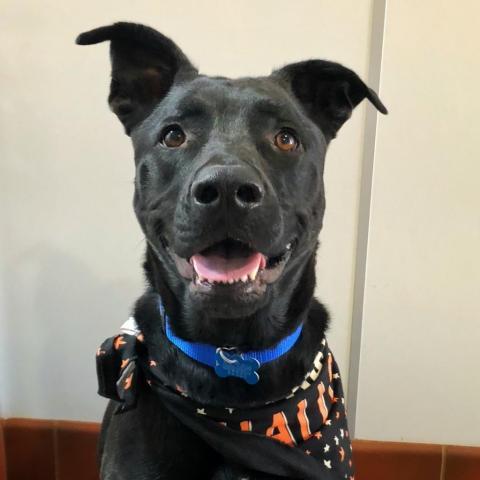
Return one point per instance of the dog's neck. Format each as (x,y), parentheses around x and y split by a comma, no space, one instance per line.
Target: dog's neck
(261,330)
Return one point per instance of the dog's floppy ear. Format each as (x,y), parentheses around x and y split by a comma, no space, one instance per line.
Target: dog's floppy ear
(144,66)
(327,91)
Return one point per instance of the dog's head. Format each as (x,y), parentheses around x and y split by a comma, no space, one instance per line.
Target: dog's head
(229,189)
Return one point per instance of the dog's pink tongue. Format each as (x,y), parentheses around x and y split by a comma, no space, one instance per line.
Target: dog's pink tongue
(216,268)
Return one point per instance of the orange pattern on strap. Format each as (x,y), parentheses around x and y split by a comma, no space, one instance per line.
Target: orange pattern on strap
(246,426)
(119,342)
(279,430)
(321,402)
(303,419)
(128,382)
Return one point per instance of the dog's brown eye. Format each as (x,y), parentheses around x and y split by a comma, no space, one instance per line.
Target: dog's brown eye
(173,136)
(286,141)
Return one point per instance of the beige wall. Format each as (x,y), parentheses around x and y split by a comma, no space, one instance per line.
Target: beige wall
(70,246)
(420,349)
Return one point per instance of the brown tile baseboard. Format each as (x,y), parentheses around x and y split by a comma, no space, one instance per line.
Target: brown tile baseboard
(65,450)
(29,449)
(76,450)
(50,450)
(462,463)
(3,463)
(397,461)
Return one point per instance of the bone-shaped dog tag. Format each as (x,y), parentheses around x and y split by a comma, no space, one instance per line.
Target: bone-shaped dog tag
(229,363)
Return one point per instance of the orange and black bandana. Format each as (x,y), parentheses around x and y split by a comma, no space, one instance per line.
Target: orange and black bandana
(304,436)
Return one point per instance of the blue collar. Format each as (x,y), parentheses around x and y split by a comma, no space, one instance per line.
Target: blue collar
(229,362)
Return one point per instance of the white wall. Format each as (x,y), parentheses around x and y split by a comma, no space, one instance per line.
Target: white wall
(3,345)
(421,321)
(70,247)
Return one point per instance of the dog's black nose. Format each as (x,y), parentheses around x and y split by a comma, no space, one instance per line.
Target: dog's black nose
(223,184)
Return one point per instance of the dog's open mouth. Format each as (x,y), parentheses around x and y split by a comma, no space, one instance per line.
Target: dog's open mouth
(232,264)
(228,262)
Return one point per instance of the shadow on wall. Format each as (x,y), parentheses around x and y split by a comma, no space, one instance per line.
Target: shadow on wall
(53,334)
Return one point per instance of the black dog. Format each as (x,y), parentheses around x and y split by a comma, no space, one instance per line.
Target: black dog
(229,194)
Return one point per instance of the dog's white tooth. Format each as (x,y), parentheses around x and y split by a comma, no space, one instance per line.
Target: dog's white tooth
(201,279)
(231,281)
(253,274)
(244,279)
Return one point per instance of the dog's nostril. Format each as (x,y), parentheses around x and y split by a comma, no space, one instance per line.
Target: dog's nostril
(249,194)
(205,193)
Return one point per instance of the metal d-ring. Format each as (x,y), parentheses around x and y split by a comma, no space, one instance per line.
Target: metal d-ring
(221,352)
